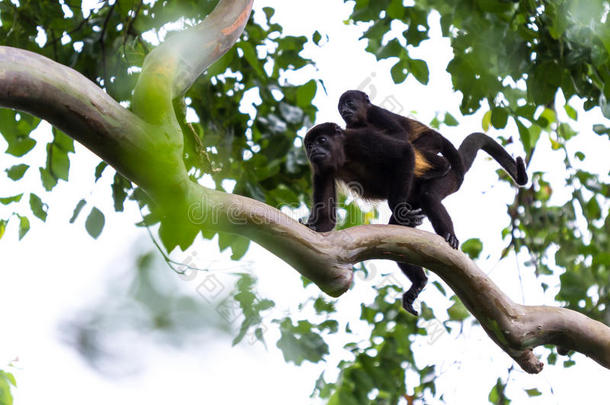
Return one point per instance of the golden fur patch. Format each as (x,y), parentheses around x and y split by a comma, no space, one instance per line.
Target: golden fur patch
(421,164)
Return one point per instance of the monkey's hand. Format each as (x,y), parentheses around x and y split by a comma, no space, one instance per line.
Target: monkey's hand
(452,240)
(317,227)
(415,217)
(305,221)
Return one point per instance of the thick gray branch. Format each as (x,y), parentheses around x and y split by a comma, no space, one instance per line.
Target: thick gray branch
(69,101)
(197,48)
(327,259)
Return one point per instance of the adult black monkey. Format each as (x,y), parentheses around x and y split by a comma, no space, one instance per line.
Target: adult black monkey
(384,168)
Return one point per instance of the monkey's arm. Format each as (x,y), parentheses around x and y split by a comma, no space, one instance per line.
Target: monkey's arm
(383,119)
(323,210)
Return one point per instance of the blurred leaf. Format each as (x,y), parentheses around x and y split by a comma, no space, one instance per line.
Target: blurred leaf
(10,200)
(7,380)
(486,121)
(306,93)
(77,210)
(472,247)
(419,69)
(38,207)
(533,392)
(300,342)
(99,169)
(16,172)
(24,226)
(95,223)
(499,117)
(450,120)
(457,312)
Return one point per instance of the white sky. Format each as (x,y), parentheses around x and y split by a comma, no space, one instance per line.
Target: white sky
(58,268)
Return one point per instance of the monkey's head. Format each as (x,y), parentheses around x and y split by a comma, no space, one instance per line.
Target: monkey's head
(324,147)
(353,105)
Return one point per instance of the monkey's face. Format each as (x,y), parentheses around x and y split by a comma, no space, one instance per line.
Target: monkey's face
(353,105)
(323,145)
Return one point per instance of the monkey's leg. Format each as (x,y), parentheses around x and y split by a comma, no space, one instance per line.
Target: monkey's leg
(438,215)
(416,275)
(418,281)
(323,211)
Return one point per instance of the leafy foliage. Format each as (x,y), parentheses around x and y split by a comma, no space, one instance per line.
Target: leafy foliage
(255,150)
(6,381)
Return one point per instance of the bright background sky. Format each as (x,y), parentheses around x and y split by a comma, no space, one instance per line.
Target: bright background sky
(58,269)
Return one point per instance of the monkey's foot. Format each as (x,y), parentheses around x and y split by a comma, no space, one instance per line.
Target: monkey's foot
(452,240)
(408,299)
(414,218)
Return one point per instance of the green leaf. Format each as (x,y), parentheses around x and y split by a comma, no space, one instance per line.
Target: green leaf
(533,392)
(17,172)
(592,209)
(457,312)
(565,131)
(472,247)
(499,117)
(95,223)
(16,132)
(9,200)
(48,180)
(450,120)
(6,381)
(99,169)
(251,307)
(486,121)
(524,134)
(306,93)
(63,141)
(439,287)
(24,226)
(239,247)
(58,163)
(38,207)
(300,342)
(395,9)
(251,58)
(120,186)
(601,129)
(3,223)
(419,69)
(77,210)
(399,71)
(570,111)
(547,117)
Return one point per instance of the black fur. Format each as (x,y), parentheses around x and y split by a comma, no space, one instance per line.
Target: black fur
(363,157)
(381,160)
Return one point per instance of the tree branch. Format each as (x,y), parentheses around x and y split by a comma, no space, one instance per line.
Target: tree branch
(69,101)
(327,259)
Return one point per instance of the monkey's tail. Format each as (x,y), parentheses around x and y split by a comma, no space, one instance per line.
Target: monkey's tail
(456,160)
(477,140)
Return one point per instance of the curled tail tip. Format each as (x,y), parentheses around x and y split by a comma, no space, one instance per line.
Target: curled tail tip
(521,173)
